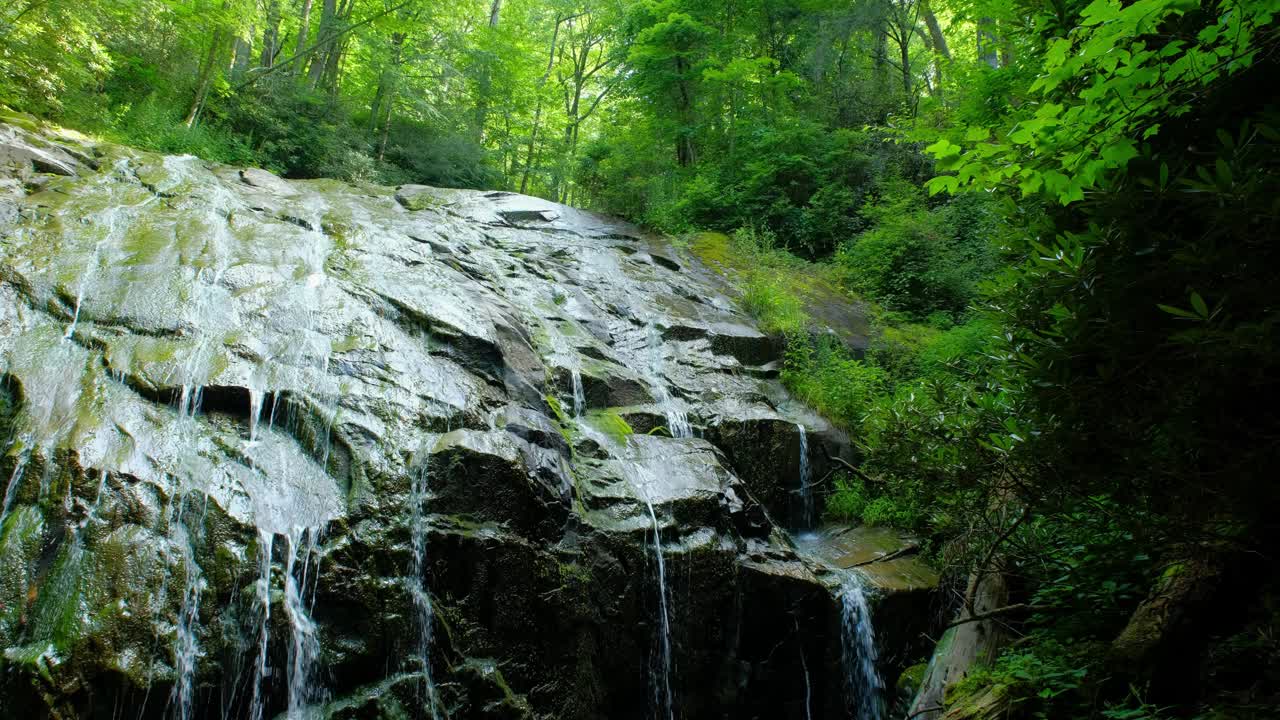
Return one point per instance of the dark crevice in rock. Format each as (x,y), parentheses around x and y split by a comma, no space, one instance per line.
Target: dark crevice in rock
(301,222)
(665,262)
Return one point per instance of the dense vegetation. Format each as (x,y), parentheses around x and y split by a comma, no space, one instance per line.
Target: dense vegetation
(1062,216)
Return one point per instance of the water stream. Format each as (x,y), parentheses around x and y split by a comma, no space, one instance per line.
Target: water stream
(304,648)
(186,641)
(677,417)
(858,650)
(418,582)
(263,595)
(806,490)
(663,698)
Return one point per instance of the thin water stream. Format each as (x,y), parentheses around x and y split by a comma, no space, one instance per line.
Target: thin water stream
(807,511)
(418,582)
(863,685)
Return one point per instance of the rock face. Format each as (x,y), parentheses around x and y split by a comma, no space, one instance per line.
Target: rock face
(371,452)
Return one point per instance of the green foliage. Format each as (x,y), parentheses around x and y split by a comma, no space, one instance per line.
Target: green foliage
(767,298)
(918,260)
(1034,678)
(1107,84)
(821,372)
(152,126)
(851,502)
(847,500)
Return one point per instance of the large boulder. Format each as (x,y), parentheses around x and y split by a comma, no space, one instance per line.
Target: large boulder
(368,451)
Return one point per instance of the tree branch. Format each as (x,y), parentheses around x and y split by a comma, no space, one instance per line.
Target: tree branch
(1006,610)
(978,572)
(326,40)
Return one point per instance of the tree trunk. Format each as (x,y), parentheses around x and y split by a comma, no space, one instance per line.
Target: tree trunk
(321,58)
(485,82)
(938,41)
(987,42)
(304,31)
(384,104)
(935,31)
(904,56)
(686,154)
(1172,625)
(271,35)
(243,55)
(532,156)
(204,82)
(963,646)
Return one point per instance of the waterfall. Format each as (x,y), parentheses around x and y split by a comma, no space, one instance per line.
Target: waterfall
(579,397)
(256,398)
(677,419)
(806,490)
(11,491)
(304,650)
(115,223)
(186,640)
(858,650)
(418,589)
(662,696)
(263,592)
(641,479)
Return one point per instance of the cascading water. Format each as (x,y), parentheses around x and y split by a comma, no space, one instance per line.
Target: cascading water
(579,397)
(418,583)
(186,642)
(15,478)
(304,649)
(660,681)
(677,419)
(806,489)
(858,650)
(662,696)
(263,595)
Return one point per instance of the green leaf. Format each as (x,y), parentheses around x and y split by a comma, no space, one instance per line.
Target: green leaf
(1099,11)
(943,183)
(1072,193)
(1119,153)
(943,149)
(1225,177)
(1178,312)
(1198,304)
(1031,183)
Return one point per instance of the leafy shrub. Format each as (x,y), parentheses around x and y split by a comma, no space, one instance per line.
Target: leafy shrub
(926,263)
(154,126)
(767,298)
(821,372)
(847,500)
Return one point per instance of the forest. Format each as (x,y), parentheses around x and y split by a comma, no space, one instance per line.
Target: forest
(1060,218)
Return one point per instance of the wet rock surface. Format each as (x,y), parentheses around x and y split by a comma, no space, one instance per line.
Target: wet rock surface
(377,453)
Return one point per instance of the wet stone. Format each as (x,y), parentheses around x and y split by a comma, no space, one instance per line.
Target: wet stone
(320,445)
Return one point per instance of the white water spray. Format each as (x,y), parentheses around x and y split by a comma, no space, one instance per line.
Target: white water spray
(806,489)
(263,593)
(662,688)
(579,397)
(418,587)
(304,650)
(858,644)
